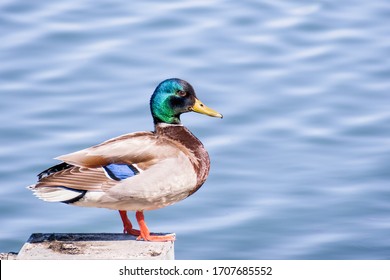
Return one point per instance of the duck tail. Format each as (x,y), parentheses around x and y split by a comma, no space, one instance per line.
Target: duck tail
(56,193)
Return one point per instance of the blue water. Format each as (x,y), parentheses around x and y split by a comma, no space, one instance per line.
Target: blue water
(300,162)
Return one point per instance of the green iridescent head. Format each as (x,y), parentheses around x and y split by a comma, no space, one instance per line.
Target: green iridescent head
(173,97)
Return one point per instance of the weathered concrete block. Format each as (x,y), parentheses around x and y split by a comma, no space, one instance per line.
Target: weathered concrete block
(102,246)
(8,256)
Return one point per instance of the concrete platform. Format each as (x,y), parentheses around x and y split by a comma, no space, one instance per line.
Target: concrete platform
(93,246)
(8,256)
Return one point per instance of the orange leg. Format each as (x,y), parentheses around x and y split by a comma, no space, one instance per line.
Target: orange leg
(127,226)
(145,233)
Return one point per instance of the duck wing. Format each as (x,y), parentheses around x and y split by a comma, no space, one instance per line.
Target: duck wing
(139,147)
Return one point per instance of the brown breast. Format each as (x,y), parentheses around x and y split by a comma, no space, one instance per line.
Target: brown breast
(191,146)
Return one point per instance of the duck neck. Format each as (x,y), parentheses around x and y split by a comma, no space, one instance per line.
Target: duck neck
(169,129)
(179,133)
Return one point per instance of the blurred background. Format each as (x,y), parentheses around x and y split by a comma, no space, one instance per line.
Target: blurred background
(300,162)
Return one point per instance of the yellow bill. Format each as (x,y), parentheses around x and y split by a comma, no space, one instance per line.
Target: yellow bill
(200,108)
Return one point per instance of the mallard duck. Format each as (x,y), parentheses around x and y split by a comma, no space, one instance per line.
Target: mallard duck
(138,171)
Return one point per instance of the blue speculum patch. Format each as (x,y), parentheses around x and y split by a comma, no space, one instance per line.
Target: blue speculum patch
(120,171)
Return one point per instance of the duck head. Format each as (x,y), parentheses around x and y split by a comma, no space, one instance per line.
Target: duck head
(173,97)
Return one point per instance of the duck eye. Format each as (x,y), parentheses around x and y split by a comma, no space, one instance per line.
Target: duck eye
(182,93)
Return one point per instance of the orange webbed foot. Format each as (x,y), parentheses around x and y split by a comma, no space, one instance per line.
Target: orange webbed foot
(145,233)
(157,238)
